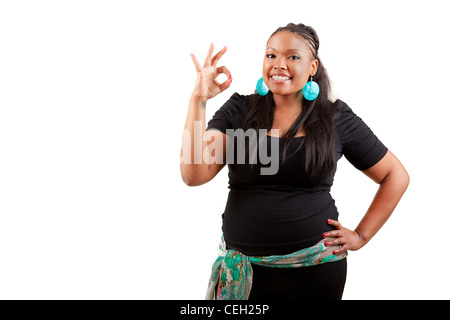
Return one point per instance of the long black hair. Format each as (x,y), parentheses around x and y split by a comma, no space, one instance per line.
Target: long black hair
(316,116)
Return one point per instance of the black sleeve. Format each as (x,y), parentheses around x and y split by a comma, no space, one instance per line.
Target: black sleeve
(230,115)
(360,145)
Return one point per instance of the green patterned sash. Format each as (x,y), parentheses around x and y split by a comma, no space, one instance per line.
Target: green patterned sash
(232,270)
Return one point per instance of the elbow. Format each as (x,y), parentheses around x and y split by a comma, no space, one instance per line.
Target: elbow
(191,179)
(186,176)
(398,177)
(402,177)
(192,182)
(406,179)
(188,181)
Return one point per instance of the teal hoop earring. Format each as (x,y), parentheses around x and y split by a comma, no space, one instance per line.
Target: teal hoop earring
(311,90)
(261,87)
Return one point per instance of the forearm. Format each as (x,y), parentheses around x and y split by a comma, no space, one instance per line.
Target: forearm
(193,144)
(386,199)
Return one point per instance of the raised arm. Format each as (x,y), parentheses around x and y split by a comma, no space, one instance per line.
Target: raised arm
(198,162)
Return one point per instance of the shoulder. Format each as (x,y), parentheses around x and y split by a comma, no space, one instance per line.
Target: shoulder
(359,143)
(239,97)
(236,104)
(238,100)
(344,116)
(342,109)
(232,113)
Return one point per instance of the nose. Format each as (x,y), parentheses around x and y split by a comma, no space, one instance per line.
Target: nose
(280,64)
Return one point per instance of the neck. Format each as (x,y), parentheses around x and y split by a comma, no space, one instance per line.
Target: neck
(289,104)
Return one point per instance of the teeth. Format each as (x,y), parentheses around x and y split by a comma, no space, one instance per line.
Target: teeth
(280,78)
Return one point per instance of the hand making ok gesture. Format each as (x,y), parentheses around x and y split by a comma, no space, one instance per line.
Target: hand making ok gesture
(207,86)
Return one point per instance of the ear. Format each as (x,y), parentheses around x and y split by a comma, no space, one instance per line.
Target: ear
(314,66)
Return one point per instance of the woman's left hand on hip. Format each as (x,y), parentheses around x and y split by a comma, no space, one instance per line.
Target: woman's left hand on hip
(345,238)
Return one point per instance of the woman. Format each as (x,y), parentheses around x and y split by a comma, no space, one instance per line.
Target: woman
(281,234)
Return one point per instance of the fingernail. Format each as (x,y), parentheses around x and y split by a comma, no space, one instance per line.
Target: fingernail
(327,244)
(325,235)
(335,252)
(329,220)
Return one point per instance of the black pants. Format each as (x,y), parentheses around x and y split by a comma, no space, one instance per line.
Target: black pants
(325,281)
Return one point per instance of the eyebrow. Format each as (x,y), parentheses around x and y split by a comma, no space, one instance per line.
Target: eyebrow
(287,50)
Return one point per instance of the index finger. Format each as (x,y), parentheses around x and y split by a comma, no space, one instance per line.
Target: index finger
(224,70)
(334,223)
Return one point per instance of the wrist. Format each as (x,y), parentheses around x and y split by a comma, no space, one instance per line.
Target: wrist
(361,238)
(197,101)
(198,98)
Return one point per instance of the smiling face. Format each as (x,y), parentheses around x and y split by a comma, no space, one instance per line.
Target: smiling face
(288,63)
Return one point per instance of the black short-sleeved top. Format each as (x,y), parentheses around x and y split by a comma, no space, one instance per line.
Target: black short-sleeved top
(284,212)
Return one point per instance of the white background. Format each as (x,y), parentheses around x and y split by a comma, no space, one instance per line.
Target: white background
(93,101)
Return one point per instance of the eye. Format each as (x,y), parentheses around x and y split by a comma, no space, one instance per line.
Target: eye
(295,58)
(270,56)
